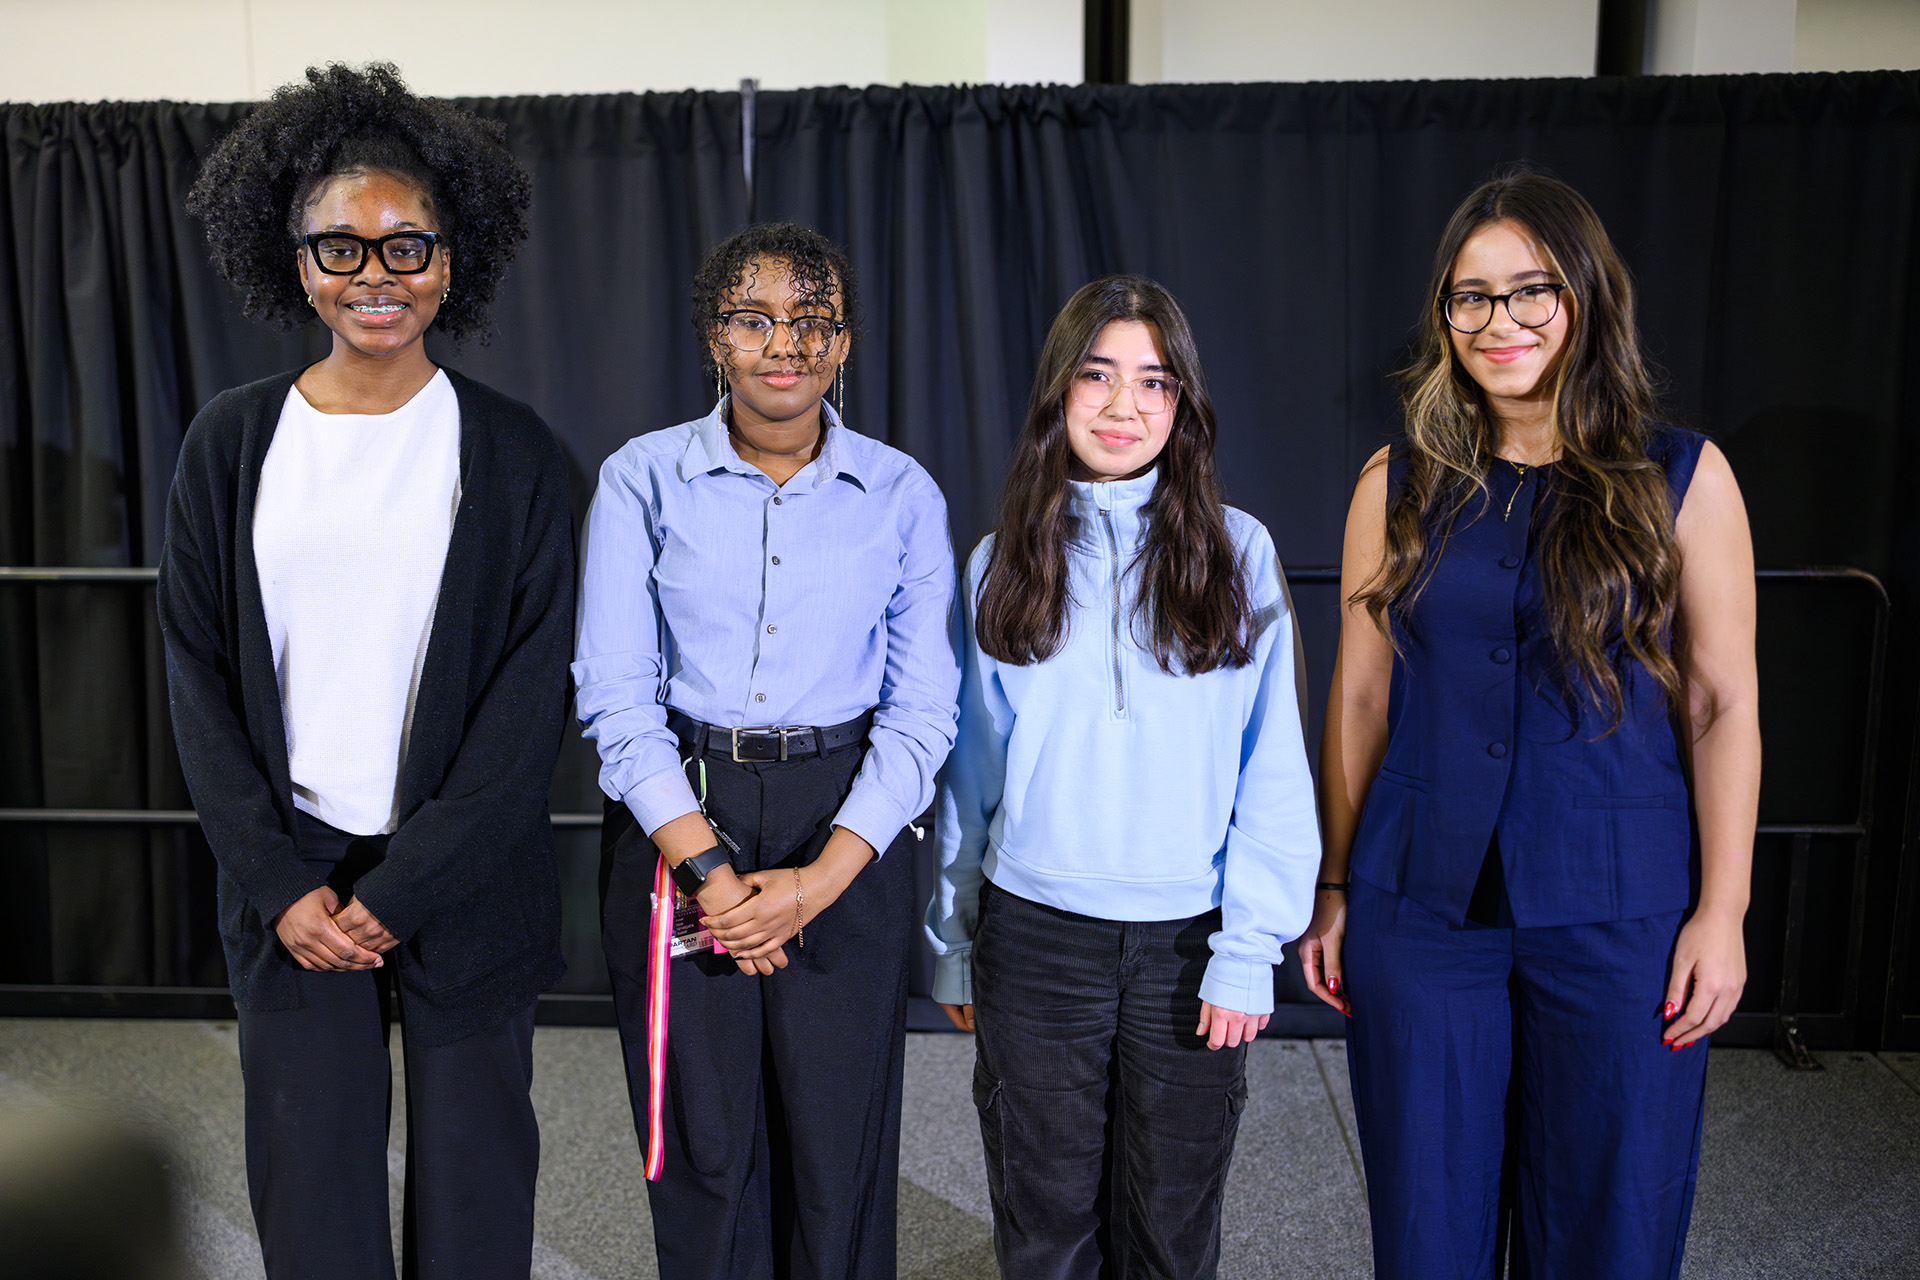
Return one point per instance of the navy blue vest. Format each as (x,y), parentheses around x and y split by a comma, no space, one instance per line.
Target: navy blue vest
(1486,746)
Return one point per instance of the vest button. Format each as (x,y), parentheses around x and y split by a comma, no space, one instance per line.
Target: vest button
(1502,655)
(1498,750)
(1509,562)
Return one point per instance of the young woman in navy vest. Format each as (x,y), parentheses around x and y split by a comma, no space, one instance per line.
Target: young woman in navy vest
(1548,880)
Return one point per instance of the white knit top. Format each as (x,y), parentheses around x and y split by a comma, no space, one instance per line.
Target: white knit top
(350,535)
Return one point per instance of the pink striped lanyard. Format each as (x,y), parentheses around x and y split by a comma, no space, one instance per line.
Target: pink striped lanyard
(659,991)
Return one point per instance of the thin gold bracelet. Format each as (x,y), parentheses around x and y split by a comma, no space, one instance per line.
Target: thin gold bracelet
(799,900)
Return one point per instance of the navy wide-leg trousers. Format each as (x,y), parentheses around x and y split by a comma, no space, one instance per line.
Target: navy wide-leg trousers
(782,1122)
(1484,1056)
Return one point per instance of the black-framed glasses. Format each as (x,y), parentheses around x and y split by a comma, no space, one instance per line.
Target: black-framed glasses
(1530,306)
(341,253)
(1152,392)
(751,330)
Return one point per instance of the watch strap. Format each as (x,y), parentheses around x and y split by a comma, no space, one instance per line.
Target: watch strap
(690,874)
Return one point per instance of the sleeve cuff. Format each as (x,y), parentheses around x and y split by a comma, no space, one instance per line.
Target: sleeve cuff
(274,893)
(1244,986)
(660,798)
(953,976)
(870,817)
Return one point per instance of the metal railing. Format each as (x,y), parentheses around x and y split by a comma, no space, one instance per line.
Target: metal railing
(1786,1026)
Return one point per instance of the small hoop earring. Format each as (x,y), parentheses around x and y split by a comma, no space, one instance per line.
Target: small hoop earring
(445,296)
(310,301)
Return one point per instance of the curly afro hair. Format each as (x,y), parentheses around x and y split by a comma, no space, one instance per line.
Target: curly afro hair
(814,263)
(254,189)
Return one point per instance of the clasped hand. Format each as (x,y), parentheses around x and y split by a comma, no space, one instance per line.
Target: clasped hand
(322,935)
(757,917)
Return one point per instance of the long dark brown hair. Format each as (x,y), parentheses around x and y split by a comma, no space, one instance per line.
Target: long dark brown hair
(1194,605)
(1608,559)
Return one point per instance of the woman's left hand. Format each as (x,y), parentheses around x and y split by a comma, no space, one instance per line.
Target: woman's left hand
(1709,972)
(784,898)
(762,924)
(360,924)
(1226,1028)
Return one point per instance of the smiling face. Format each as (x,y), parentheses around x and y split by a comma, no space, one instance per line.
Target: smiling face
(777,383)
(1118,441)
(374,311)
(1514,365)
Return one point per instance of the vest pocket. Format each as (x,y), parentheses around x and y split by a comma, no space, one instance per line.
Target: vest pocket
(1619,802)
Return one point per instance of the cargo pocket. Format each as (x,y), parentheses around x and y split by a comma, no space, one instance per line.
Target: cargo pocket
(1230,1116)
(990,1102)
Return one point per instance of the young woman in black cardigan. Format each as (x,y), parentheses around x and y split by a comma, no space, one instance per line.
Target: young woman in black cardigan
(367,596)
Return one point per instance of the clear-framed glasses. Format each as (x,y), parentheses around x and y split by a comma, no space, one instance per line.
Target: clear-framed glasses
(752,330)
(341,253)
(1152,392)
(1530,306)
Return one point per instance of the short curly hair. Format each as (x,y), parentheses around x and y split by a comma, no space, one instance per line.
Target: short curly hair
(816,265)
(254,188)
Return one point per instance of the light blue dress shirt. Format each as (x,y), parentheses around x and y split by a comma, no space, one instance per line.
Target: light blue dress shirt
(707,588)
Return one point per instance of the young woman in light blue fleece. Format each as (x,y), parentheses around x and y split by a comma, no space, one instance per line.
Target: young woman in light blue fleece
(1127,829)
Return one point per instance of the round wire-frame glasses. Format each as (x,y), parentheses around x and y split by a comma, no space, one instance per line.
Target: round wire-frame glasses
(750,330)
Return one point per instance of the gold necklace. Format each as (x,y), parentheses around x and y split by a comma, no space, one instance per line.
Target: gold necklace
(1522,469)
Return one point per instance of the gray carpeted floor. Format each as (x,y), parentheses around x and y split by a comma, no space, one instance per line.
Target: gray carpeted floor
(1813,1175)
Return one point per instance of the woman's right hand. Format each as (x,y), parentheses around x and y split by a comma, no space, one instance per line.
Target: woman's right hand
(308,931)
(1320,949)
(960,1015)
(723,891)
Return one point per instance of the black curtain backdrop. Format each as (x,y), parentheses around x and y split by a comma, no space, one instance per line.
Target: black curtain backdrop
(1770,220)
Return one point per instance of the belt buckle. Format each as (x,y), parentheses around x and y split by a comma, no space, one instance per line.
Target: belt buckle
(782,732)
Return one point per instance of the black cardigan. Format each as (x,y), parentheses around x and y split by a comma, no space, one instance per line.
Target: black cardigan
(468,883)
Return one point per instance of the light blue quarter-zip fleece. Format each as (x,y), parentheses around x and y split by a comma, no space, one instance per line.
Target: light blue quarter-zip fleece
(1098,783)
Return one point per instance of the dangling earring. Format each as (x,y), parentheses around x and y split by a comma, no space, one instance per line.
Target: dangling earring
(840,391)
(446,295)
(719,384)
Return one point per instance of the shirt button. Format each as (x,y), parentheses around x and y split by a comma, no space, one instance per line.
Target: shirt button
(776,559)
(771,628)
(1502,655)
(1506,562)
(1498,750)
(778,501)
(759,697)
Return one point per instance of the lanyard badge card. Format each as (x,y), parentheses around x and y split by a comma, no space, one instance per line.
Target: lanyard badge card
(671,934)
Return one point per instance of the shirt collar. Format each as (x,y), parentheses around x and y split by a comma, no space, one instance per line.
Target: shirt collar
(1119,496)
(709,450)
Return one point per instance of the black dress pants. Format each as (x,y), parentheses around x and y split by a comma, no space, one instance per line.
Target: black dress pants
(318,1102)
(782,1120)
(1108,1124)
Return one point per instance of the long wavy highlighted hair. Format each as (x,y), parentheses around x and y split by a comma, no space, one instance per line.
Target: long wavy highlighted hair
(1194,609)
(1608,559)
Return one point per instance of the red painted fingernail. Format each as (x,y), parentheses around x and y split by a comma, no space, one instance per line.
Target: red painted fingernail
(1333,985)
(1670,1010)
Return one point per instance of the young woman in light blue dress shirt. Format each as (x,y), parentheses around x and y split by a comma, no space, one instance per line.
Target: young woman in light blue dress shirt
(764,664)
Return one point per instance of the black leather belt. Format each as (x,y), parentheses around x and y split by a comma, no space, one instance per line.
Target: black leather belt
(769,743)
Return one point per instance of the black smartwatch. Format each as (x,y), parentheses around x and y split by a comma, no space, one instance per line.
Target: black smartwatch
(691,873)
